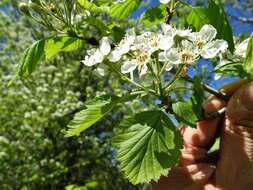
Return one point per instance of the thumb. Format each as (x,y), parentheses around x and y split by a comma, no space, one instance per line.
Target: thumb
(235,166)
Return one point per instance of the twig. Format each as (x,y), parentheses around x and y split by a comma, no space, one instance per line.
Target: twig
(216,114)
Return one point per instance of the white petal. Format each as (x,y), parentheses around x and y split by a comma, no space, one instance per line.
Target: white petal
(115,56)
(187,45)
(183,33)
(164,1)
(98,56)
(241,49)
(207,33)
(128,66)
(162,57)
(89,61)
(167,29)
(165,42)
(105,46)
(143,70)
(173,56)
(212,49)
(100,71)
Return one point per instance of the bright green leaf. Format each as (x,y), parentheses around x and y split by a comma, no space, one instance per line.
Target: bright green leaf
(248,65)
(198,17)
(124,9)
(95,111)
(87,5)
(148,146)
(89,116)
(184,113)
(155,15)
(53,46)
(31,58)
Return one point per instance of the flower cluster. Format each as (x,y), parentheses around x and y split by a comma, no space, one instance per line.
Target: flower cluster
(169,46)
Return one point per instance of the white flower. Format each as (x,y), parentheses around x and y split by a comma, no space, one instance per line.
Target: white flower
(204,41)
(185,54)
(241,49)
(122,48)
(140,60)
(164,1)
(96,56)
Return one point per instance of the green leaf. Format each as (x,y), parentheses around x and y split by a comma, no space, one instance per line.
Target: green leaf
(95,111)
(47,48)
(184,113)
(89,116)
(198,17)
(148,146)
(218,18)
(198,98)
(87,5)
(54,46)
(155,15)
(124,9)
(248,65)
(31,58)
(231,69)
(98,24)
(215,15)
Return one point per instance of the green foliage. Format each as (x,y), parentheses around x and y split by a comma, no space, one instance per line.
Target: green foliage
(184,113)
(89,6)
(55,45)
(32,57)
(86,118)
(248,65)
(47,48)
(148,146)
(124,9)
(215,15)
(155,15)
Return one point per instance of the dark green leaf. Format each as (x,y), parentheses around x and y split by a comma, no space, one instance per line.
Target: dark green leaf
(155,15)
(148,146)
(124,9)
(184,113)
(218,18)
(98,24)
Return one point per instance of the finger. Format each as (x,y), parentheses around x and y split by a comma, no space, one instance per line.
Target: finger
(189,177)
(236,153)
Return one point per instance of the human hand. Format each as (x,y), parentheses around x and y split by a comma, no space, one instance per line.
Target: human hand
(231,168)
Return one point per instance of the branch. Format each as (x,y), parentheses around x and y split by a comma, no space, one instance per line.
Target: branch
(209,89)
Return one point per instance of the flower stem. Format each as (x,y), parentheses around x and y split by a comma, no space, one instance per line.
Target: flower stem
(125,78)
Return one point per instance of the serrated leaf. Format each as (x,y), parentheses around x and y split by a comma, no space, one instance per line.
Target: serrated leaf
(124,9)
(184,113)
(89,116)
(31,58)
(148,146)
(54,46)
(155,15)
(95,111)
(248,65)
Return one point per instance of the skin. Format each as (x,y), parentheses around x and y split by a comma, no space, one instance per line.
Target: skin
(230,168)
